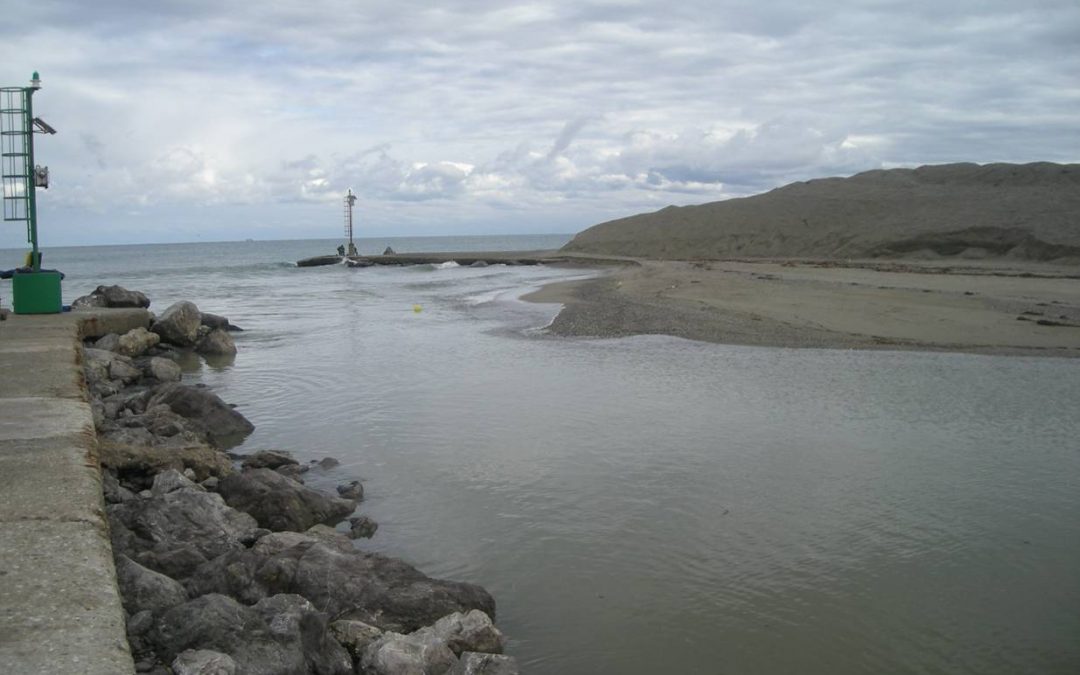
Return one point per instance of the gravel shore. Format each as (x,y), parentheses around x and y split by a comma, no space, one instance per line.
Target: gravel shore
(1006,308)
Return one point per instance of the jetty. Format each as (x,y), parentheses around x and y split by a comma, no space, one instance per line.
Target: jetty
(463,258)
(60,610)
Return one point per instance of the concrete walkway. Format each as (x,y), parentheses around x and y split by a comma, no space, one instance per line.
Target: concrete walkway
(60,610)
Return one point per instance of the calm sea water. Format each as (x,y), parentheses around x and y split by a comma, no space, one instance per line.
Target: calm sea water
(653,505)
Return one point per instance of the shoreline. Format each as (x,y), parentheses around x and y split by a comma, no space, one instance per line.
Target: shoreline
(966,307)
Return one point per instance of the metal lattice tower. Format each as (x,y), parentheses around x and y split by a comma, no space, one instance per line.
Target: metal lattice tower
(17,159)
(350,199)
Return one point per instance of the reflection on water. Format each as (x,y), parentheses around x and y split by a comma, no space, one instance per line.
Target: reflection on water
(652,505)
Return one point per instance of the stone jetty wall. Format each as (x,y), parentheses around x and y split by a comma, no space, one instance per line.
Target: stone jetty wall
(230,563)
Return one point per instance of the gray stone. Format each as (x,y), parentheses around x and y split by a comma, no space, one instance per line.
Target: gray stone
(203,662)
(89,302)
(346,584)
(396,654)
(179,324)
(388,251)
(163,369)
(362,527)
(328,463)
(295,621)
(197,522)
(218,623)
(214,321)
(118,296)
(216,342)
(473,663)
(268,459)
(108,342)
(140,622)
(279,503)
(114,492)
(467,632)
(354,636)
(138,464)
(171,479)
(353,490)
(144,589)
(222,425)
(136,342)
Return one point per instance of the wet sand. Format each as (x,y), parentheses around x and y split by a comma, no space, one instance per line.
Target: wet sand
(964,307)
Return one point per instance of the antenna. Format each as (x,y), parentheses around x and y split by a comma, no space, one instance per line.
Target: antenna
(350,199)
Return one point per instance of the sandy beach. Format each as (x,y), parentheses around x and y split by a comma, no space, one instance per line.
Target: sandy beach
(999,308)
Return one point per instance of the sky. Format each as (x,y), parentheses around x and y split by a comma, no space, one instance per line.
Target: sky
(211,120)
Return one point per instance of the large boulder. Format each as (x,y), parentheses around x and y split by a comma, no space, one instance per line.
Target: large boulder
(118,296)
(268,459)
(216,343)
(473,663)
(217,321)
(396,654)
(279,503)
(179,324)
(142,588)
(136,342)
(346,584)
(100,366)
(295,622)
(472,631)
(138,464)
(179,530)
(222,425)
(89,302)
(219,623)
(161,369)
(354,636)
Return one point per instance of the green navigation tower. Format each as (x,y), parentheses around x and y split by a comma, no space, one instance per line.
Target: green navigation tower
(34,291)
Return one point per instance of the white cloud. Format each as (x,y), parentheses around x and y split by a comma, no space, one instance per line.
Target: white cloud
(560,113)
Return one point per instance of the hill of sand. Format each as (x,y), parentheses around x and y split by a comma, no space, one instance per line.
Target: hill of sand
(994,211)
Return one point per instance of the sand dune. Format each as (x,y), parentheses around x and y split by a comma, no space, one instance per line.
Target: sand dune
(1028,212)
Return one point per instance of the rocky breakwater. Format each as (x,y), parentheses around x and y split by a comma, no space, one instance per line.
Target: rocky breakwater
(231,563)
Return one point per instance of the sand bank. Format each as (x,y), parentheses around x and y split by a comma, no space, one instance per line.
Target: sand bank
(990,308)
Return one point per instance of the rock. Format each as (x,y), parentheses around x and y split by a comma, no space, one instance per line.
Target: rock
(167,481)
(144,589)
(138,464)
(118,296)
(100,366)
(293,472)
(278,503)
(162,369)
(179,324)
(190,474)
(472,663)
(216,342)
(295,621)
(108,342)
(469,632)
(328,463)
(388,251)
(140,622)
(114,492)
(221,424)
(218,623)
(346,584)
(136,341)
(352,490)
(217,321)
(203,662)
(268,459)
(479,263)
(396,654)
(88,302)
(210,483)
(354,636)
(179,530)
(276,542)
(362,527)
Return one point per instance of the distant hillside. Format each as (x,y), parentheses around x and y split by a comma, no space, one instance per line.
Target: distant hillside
(1017,211)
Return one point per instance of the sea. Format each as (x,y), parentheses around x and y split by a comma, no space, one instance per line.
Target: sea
(649,504)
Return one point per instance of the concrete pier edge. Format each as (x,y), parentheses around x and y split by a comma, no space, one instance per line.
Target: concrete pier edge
(60,609)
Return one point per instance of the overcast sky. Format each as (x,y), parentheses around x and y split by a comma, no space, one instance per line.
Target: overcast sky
(206,120)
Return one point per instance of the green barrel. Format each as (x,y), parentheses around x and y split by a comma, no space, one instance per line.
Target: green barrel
(36,293)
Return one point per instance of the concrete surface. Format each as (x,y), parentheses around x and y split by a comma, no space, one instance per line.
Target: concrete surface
(60,610)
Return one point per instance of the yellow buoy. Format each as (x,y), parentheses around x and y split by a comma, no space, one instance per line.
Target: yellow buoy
(416,308)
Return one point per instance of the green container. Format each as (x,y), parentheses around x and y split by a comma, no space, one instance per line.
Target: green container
(36,293)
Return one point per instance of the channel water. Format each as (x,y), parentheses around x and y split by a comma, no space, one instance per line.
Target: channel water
(650,504)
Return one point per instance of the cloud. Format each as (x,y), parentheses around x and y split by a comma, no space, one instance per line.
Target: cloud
(474,108)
